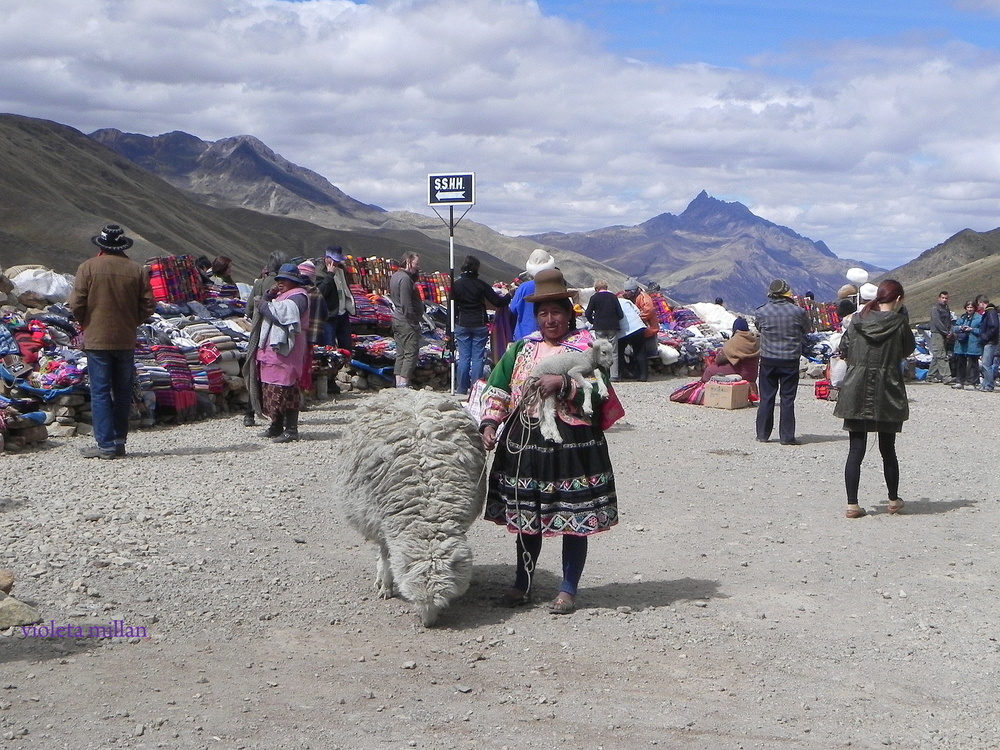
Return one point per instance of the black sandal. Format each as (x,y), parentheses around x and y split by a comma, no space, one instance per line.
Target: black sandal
(514,598)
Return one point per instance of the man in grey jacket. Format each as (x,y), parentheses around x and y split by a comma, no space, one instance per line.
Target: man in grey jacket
(783,326)
(941,323)
(406,315)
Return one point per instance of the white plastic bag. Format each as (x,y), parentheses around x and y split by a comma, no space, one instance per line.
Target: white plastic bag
(54,287)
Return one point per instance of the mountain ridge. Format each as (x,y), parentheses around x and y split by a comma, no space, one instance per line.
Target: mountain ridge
(237,197)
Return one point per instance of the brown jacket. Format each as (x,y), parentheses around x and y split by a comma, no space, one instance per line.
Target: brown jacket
(110,299)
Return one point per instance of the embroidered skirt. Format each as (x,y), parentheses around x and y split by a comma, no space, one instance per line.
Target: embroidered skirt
(277,399)
(552,488)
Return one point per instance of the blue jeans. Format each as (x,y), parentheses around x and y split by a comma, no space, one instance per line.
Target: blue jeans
(772,380)
(337,332)
(111,373)
(988,367)
(471,345)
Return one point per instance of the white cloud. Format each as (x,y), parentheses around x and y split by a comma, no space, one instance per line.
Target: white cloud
(884,151)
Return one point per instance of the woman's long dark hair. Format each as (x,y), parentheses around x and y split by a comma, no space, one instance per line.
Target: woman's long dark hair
(471,265)
(888,291)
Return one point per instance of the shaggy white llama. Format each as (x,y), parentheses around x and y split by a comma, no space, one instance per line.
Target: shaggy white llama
(413,484)
(577,365)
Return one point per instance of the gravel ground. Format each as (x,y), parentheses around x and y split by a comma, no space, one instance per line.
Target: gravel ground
(733,607)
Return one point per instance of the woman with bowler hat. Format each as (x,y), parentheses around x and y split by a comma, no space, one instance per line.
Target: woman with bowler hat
(539,488)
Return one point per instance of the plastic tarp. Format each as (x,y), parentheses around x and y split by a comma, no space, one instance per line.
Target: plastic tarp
(55,287)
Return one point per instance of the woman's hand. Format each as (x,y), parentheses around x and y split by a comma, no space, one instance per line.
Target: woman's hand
(549,385)
(489,437)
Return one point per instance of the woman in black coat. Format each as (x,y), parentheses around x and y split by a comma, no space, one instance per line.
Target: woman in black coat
(873,395)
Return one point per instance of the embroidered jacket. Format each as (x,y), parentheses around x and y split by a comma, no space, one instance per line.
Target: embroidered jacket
(505,388)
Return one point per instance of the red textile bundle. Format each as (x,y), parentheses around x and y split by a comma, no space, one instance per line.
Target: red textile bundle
(175,278)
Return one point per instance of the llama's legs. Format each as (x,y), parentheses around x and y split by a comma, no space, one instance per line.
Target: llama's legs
(383,574)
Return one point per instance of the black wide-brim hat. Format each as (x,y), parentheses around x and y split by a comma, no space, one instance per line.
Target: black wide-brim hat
(113,239)
(549,285)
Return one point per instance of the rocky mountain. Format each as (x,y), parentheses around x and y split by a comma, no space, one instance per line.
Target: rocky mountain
(235,172)
(713,249)
(178,194)
(58,188)
(243,172)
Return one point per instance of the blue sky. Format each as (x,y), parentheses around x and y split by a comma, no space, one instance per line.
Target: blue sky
(869,126)
(733,33)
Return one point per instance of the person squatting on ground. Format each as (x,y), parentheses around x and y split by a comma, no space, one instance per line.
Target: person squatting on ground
(940,371)
(408,309)
(783,327)
(739,355)
(604,313)
(989,337)
(111,297)
(539,488)
(280,335)
(470,295)
(873,394)
(967,346)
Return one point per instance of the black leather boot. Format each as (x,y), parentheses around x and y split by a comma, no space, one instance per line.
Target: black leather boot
(291,431)
(276,428)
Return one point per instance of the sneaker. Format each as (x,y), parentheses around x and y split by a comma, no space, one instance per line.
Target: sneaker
(959,386)
(95,451)
(793,441)
(287,436)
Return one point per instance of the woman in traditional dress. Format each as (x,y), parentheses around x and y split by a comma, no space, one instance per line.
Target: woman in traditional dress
(539,488)
(280,335)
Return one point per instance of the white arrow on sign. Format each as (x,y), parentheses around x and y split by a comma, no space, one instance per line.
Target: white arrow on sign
(456,195)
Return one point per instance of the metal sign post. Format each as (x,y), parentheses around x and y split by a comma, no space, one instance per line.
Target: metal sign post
(456,189)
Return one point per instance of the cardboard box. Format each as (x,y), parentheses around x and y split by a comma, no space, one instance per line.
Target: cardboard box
(727,395)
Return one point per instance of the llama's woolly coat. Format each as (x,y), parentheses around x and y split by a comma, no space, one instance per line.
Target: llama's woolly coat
(413,483)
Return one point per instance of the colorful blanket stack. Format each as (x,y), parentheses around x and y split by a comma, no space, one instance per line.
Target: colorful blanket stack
(371,309)
(175,363)
(371,274)
(435,287)
(662,308)
(175,278)
(680,318)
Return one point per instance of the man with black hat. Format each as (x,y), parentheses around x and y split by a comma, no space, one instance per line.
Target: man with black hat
(783,326)
(111,297)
